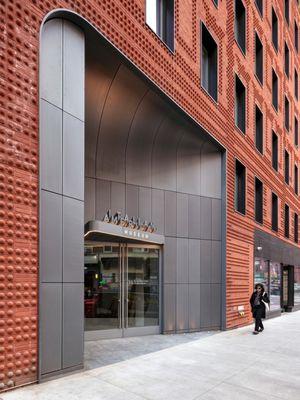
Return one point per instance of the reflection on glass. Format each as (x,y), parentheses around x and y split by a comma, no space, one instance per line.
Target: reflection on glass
(275,285)
(261,272)
(297,285)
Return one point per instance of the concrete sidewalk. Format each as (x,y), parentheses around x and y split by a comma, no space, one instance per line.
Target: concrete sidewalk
(232,365)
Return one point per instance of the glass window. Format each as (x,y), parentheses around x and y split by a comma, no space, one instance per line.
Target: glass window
(261,272)
(258,58)
(209,63)
(160,18)
(274,29)
(240,104)
(240,24)
(275,285)
(240,187)
(296,285)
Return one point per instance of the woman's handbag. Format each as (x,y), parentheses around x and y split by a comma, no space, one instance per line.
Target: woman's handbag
(266,305)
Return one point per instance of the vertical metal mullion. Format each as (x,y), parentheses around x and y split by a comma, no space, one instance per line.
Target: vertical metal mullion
(126,284)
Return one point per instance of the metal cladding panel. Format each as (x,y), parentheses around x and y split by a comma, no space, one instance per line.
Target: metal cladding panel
(73,230)
(51,147)
(73,70)
(103,198)
(216,219)
(50,327)
(182,307)
(216,261)
(182,260)
(73,157)
(51,63)
(194,306)
(145,204)
(89,199)
(132,201)
(170,213)
(169,308)
(194,261)
(51,237)
(194,217)
(211,167)
(205,305)
(158,209)
(215,290)
(182,215)
(118,197)
(73,324)
(205,261)
(205,218)
(170,260)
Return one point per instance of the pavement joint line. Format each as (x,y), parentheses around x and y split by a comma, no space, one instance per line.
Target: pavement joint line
(255,391)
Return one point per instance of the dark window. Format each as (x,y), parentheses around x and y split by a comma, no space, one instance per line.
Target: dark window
(258,201)
(286,167)
(274,29)
(160,18)
(240,187)
(209,63)
(275,90)
(274,151)
(286,221)
(260,6)
(287,10)
(259,58)
(259,129)
(286,114)
(286,60)
(296,178)
(240,24)
(296,36)
(296,133)
(296,84)
(274,212)
(216,2)
(296,228)
(240,104)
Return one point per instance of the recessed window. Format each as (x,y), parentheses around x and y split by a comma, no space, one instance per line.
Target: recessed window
(287,10)
(216,2)
(209,63)
(296,36)
(259,58)
(274,212)
(274,151)
(240,104)
(274,29)
(286,60)
(260,6)
(275,90)
(286,167)
(240,24)
(286,221)
(160,18)
(296,228)
(240,187)
(259,129)
(296,84)
(296,132)
(296,178)
(286,114)
(258,201)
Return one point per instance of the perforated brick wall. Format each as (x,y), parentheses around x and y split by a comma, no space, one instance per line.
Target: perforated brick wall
(178,74)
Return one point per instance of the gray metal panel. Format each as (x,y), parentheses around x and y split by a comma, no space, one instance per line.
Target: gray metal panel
(117,197)
(194,217)
(194,306)
(205,218)
(51,147)
(73,69)
(194,261)
(73,230)
(170,260)
(103,196)
(182,307)
(51,237)
(73,157)
(89,199)
(215,305)
(205,306)
(50,326)
(145,204)
(132,201)
(216,261)
(169,304)
(182,215)
(216,219)
(182,260)
(170,213)
(158,205)
(205,261)
(211,167)
(51,63)
(72,324)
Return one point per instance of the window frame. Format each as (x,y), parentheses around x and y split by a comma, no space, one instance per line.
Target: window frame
(275,196)
(216,100)
(236,76)
(256,211)
(236,191)
(244,51)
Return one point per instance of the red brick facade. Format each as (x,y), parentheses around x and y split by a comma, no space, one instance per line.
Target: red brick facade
(178,74)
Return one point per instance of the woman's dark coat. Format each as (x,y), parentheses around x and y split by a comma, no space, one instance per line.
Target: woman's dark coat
(259,311)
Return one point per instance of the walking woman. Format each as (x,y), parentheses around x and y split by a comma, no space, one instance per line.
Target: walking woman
(259,303)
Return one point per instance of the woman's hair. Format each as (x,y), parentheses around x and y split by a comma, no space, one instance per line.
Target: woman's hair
(259,285)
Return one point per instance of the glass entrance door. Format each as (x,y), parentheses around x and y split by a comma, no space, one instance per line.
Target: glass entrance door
(121,296)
